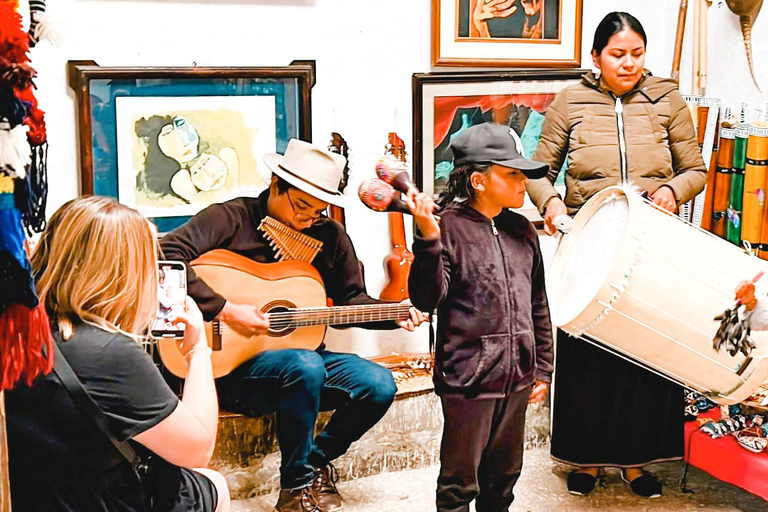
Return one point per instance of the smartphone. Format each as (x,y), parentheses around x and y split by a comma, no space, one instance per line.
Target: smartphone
(171,295)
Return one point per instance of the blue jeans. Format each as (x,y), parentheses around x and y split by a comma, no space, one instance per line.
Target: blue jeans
(296,385)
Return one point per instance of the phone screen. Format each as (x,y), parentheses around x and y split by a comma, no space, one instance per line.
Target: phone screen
(171,295)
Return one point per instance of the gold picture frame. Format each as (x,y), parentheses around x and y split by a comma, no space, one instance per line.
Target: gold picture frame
(528,33)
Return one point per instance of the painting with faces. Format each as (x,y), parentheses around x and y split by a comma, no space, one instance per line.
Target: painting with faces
(177,155)
(520,19)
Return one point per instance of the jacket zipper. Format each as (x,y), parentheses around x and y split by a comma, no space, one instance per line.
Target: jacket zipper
(619,109)
(510,307)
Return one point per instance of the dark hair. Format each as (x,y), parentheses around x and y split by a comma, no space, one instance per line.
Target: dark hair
(159,168)
(612,24)
(282,185)
(459,184)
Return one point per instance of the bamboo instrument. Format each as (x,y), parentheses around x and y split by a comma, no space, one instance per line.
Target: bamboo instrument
(704,29)
(679,35)
(288,243)
(700,8)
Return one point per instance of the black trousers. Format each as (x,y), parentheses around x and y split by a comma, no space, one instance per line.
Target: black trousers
(610,412)
(481,454)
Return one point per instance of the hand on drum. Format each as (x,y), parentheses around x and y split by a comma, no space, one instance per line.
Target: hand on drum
(664,197)
(555,208)
(745,292)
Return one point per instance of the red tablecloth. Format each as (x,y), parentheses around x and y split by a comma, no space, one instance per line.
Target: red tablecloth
(726,460)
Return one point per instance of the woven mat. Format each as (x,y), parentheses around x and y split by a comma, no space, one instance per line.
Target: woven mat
(412,372)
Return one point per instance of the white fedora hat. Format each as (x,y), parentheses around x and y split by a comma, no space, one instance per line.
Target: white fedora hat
(311,169)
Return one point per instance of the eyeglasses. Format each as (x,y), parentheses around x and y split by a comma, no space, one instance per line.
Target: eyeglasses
(303,213)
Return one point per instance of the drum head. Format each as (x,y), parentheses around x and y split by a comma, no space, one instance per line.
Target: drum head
(587,258)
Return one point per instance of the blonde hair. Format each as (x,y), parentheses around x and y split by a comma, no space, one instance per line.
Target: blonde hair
(96,262)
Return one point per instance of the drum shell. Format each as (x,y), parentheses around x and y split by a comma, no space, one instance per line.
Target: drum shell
(658,299)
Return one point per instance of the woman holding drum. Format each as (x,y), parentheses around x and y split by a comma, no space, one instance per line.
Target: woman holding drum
(618,125)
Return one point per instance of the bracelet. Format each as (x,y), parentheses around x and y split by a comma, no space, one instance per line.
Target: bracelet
(199,348)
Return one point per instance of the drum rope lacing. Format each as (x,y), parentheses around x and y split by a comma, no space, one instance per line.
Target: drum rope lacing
(621,290)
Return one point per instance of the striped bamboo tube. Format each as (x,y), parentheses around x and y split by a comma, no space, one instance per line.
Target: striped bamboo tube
(756,172)
(722,185)
(736,201)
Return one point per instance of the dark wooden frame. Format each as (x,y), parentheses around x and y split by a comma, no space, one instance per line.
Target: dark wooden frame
(81,72)
(419,80)
(437,60)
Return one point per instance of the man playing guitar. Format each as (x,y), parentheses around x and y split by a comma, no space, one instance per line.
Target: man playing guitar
(295,384)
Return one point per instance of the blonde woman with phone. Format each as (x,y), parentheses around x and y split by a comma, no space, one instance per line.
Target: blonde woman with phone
(96,271)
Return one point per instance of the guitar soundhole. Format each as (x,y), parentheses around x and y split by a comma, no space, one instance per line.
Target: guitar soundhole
(279,323)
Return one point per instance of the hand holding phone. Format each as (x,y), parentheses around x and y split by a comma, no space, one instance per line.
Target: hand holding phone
(172,296)
(194,332)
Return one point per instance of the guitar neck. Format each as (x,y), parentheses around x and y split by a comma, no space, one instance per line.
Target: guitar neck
(339,315)
(396,229)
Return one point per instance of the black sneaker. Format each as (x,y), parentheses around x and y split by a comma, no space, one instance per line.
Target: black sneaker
(324,487)
(645,485)
(581,483)
(298,500)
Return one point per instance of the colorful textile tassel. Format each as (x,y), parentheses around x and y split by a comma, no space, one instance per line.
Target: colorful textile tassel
(26,343)
(26,332)
(24,325)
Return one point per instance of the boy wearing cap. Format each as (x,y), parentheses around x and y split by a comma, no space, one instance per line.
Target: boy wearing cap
(295,384)
(481,268)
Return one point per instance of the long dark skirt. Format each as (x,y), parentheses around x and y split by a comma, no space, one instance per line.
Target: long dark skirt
(610,412)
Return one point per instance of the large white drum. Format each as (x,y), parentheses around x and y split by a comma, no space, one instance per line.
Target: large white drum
(647,284)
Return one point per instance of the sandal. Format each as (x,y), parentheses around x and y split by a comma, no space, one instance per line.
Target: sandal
(726,426)
(645,485)
(752,439)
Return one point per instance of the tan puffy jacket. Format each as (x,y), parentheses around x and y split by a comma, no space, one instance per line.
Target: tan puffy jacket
(582,124)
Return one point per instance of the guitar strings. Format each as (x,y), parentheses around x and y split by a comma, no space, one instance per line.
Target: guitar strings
(319,313)
(307,316)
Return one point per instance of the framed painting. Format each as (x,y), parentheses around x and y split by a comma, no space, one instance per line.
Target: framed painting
(445,104)
(508,33)
(171,141)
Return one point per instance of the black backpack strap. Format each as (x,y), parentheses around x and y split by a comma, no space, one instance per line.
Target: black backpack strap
(83,400)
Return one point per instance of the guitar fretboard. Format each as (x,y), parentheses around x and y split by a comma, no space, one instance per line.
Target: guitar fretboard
(338,315)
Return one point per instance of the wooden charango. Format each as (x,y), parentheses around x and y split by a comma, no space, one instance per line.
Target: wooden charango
(747,11)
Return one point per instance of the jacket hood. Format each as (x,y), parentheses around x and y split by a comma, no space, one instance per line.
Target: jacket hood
(653,88)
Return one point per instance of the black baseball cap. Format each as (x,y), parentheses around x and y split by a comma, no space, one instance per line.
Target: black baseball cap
(491,143)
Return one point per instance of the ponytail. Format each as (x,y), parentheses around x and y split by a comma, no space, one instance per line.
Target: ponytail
(460,185)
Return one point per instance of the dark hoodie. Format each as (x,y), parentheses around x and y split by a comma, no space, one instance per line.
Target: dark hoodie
(486,279)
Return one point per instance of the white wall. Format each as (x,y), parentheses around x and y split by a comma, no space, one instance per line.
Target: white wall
(366,53)
(728,73)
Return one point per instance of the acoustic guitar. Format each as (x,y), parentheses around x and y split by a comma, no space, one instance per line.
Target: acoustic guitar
(339,145)
(291,293)
(399,260)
